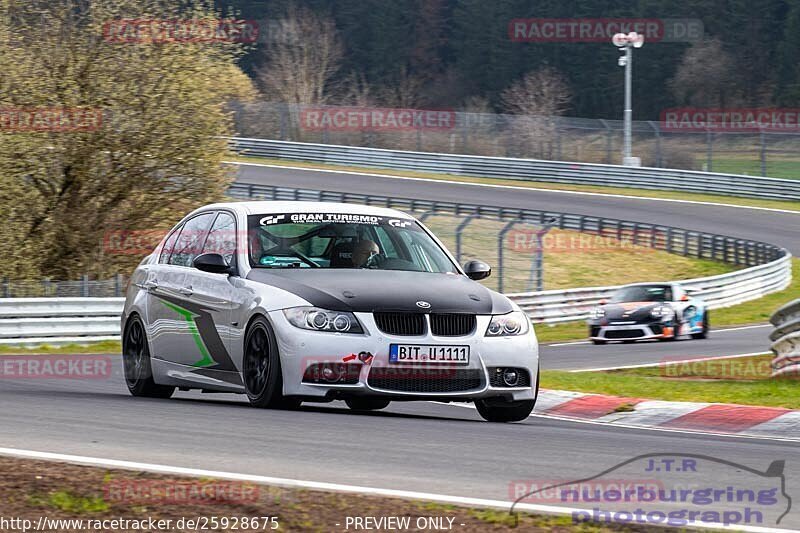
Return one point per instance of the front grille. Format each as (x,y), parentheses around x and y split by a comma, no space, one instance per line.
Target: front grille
(425,380)
(452,324)
(496,377)
(400,323)
(624,333)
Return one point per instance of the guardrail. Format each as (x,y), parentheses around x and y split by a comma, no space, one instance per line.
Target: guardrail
(525,169)
(34,321)
(769,268)
(786,340)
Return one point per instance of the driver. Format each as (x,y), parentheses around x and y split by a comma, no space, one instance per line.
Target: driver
(363,251)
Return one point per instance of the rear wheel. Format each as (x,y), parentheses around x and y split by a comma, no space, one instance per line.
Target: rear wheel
(263,382)
(704,333)
(499,410)
(136,363)
(367,404)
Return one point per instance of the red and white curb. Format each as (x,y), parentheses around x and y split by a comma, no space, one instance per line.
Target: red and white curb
(743,420)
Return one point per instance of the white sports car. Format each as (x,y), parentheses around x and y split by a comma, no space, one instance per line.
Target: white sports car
(289,302)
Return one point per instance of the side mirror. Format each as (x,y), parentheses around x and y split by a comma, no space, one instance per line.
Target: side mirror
(212,262)
(685,298)
(602,302)
(477,270)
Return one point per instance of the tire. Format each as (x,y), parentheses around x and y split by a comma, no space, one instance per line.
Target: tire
(367,404)
(136,363)
(703,334)
(263,382)
(499,410)
(598,342)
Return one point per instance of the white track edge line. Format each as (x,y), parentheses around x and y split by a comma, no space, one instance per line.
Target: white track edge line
(714,331)
(337,487)
(517,187)
(668,363)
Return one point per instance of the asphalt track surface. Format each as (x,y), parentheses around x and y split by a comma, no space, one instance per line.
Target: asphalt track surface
(424,446)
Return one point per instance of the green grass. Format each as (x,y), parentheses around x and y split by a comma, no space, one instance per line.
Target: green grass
(742,381)
(66,501)
(46,349)
(775,169)
(674,195)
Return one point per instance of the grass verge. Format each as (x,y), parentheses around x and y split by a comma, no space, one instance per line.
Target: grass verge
(104,347)
(672,195)
(744,381)
(33,489)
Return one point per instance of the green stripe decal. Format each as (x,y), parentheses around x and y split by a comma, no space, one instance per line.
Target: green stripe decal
(188,316)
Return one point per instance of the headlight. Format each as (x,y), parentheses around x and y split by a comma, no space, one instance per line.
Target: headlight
(514,323)
(598,313)
(317,319)
(664,312)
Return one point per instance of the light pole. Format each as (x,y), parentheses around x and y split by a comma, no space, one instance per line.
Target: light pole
(626,43)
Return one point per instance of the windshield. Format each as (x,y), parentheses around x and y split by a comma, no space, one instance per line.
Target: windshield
(341,240)
(643,293)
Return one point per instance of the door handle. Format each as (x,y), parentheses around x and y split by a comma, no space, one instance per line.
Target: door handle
(186,291)
(150,285)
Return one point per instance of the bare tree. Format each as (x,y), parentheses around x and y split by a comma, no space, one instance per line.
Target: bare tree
(304,54)
(543,92)
(539,96)
(706,76)
(404,90)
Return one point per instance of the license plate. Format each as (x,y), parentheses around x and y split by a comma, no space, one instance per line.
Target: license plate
(423,353)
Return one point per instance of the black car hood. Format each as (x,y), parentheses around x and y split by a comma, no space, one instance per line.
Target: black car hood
(630,310)
(364,290)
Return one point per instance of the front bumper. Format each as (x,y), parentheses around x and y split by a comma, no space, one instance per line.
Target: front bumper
(631,331)
(300,349)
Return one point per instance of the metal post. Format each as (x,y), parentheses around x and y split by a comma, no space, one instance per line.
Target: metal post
(657,130)
(118,285)
(609,141)
(500,244)
(709,151)
(628,116)
(284,120)
(763,140)
(539,259)
(459,230)
(85,285)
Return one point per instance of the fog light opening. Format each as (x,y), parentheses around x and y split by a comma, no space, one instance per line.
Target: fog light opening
(510,377)
(331,374)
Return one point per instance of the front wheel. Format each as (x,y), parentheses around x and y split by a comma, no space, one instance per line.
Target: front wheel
(704,332)
(136,363)
(499,410)
(367,404)
(263,382)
